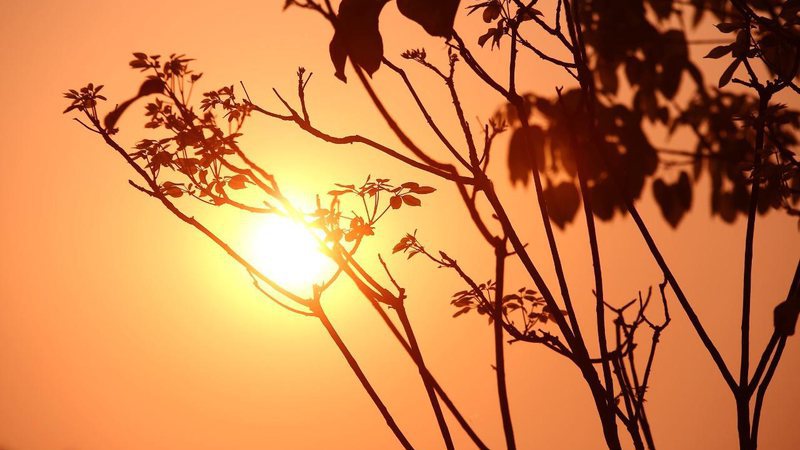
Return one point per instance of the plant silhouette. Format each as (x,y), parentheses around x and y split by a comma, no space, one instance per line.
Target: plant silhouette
(590,146)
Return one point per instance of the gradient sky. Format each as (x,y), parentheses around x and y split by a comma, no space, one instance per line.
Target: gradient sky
(122,328)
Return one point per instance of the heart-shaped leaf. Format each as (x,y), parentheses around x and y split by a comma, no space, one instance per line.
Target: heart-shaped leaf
(435,16)
(357,36)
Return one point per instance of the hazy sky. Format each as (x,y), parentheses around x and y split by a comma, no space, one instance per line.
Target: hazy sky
(122,328)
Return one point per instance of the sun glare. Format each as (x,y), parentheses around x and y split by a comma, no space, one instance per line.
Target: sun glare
(288,253)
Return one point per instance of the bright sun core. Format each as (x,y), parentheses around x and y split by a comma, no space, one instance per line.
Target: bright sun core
(287,252)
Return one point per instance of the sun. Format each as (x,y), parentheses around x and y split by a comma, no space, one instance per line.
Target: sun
(287,252)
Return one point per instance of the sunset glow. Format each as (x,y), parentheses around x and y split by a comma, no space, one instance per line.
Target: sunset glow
(288,253)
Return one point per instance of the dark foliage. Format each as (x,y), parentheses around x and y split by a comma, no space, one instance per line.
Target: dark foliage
(636,45)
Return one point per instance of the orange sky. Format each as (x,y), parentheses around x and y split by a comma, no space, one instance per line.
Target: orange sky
(121,328)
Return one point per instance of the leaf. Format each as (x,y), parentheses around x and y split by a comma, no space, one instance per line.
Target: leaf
(674,200)
(662,8)
(139,64)
(237,181)
(728,74)
(607,73)
(495,33)
(422,190)
(684,191)
(491,12)
(673,61)
(435,16)
(719,52)
(563,201)
(357,36)
(780,55)
(728,27)
(785,318)
(152,85)
(461,311)
(400,246)
(742,44)
(171,189)
(485,37)
(529,13)
(410,200)
(219,187)
(521,149)
(396,202)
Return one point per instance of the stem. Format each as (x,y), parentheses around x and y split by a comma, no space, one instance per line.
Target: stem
(548,228)
(500,364)
(748,253)
(742,394)
(596,265)
(351,361)
(372,298)
(645,425)
(762,390)
(429,389)
(527,262)
(743,421)
(439,390)
(762,364)
(598,279)
(605,411)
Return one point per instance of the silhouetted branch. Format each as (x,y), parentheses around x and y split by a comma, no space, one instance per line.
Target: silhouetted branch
(356,139)
(595,252)
(429,388)
(762,389)
(742,395)
(275,300)
(499,352)
(362,378)
(425,113)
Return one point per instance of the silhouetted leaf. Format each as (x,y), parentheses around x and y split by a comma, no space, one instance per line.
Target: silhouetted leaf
(357,36)
(729,27)
(719,51)
(673,61)
(435,16)
(237,181)
(726,76)
(171,189)
(562,202)
(521,150)
(741,45)
(410,200)
(785,317)
(495,34)
(780,55)
(608,76)
(424,190)
(492,12)
(674,200)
